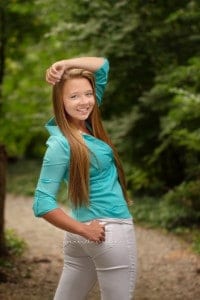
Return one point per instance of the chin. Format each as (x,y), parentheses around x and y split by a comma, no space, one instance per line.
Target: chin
(83,117)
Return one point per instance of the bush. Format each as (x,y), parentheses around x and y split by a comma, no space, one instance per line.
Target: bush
(183,202)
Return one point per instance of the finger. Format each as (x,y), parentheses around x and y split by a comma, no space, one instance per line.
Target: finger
(48,77)
(52,74)
(52,81)
(103,230)
(54,69)
(102,239)
(53,77)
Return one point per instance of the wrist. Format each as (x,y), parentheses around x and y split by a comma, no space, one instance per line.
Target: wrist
(60,65)
(82,229)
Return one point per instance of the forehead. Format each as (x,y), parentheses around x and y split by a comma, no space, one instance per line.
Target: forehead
(76,85)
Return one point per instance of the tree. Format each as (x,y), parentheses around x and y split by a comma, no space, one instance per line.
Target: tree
(15,17)
(3,161)
(2,147)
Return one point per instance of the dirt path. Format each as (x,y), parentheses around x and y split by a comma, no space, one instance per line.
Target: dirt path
(167,268)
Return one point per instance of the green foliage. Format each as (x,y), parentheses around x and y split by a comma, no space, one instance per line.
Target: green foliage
(137,179)
(148,210)
(196,242)
(165,214)
(16,245)
(26,104)
(170,145)
(131,34)
(22,176)
(186,195)
(21,91)
(156,213)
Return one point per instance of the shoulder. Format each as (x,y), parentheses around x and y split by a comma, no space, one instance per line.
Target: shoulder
(56,140)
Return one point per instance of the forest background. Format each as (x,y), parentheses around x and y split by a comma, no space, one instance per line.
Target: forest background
(151,105)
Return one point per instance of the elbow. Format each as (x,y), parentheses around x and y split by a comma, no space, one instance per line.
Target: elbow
(43,204)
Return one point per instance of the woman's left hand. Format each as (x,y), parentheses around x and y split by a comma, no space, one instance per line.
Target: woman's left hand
(55,72)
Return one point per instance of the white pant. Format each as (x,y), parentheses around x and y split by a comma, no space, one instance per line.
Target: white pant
(112,262)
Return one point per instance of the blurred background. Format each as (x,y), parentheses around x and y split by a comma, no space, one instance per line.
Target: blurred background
(151,106)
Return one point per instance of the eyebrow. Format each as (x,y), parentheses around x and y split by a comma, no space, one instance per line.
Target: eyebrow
(75,92)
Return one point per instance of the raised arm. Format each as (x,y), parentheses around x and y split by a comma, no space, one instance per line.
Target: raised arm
(54,73)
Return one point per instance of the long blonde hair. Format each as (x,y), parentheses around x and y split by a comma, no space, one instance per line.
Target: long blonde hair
(78,185)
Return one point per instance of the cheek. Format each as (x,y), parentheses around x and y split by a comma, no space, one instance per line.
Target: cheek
(92,102)
(67,107)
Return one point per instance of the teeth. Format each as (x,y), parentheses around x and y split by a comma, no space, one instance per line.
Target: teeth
(83,110)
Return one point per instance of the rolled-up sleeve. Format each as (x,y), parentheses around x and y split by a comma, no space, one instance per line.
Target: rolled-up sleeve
(53,172)
(101,78)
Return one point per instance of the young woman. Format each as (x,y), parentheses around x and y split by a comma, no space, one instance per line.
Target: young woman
(99,240)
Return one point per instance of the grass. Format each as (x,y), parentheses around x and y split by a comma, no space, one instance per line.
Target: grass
(16,245)
(12,264)
(15,248)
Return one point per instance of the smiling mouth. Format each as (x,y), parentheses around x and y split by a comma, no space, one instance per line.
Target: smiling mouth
(84,110)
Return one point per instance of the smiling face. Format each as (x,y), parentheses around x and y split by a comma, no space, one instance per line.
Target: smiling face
(79,99)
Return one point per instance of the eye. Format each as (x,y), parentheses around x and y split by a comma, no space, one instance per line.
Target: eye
(74,97)
(89,94)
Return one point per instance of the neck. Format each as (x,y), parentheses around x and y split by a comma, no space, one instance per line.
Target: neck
(80,125)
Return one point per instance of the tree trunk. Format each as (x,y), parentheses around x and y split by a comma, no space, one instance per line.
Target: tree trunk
(3,156)
(3,165)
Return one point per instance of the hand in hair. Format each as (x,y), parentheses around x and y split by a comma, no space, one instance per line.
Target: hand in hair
(55,72)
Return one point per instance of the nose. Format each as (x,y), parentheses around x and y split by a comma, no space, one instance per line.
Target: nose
(84,99)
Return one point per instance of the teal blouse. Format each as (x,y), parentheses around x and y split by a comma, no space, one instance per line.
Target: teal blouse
(106,196)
